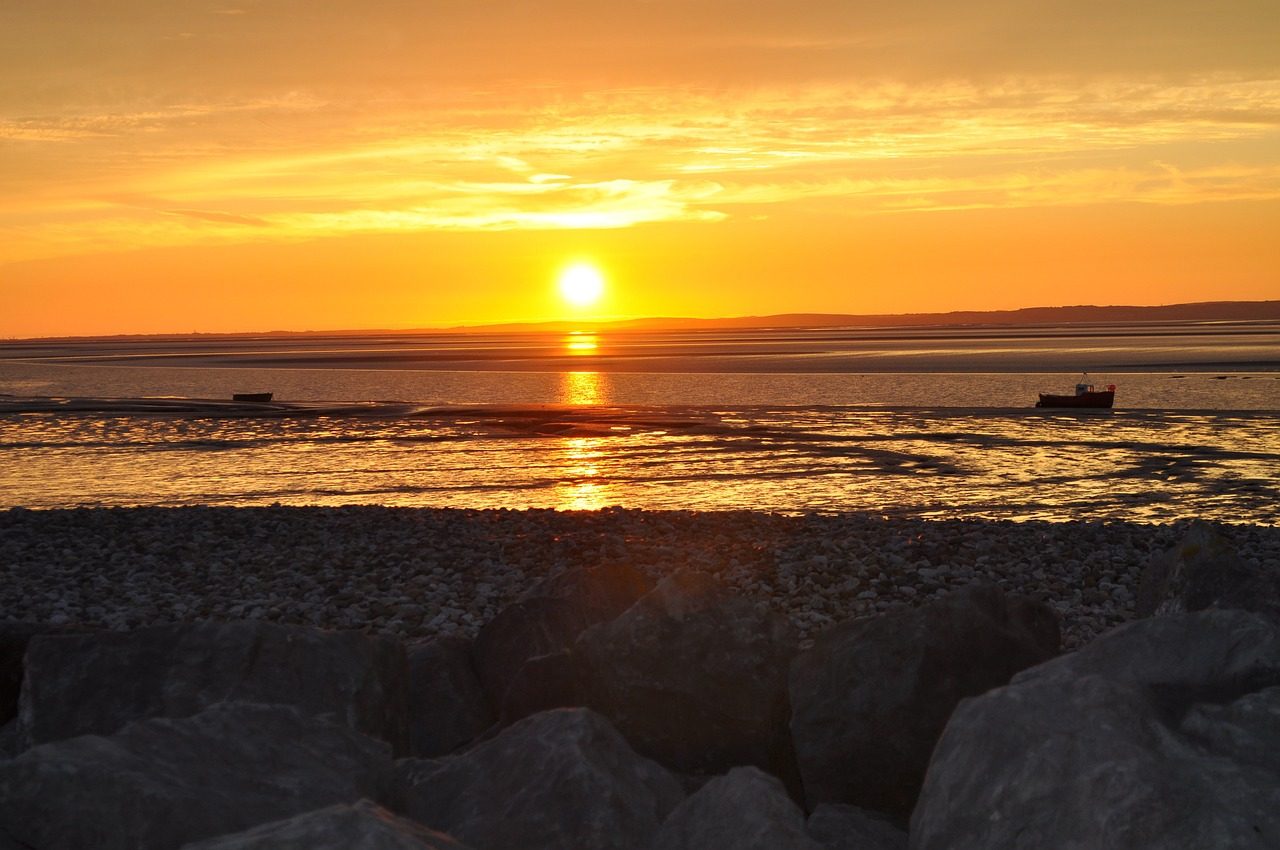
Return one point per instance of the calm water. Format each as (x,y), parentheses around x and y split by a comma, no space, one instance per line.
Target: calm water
(905,422)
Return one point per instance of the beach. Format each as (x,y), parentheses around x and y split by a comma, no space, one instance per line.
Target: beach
(760,614)
(421,573)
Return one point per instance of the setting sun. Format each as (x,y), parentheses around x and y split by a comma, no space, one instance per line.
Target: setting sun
(581,284)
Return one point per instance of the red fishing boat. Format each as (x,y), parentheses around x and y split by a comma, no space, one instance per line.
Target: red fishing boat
(1086,395)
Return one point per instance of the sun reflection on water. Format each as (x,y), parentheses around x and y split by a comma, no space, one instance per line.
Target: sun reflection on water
(581,343)
(581,388)
(581,489)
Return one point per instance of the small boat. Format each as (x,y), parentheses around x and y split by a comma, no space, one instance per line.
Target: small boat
(1086,395)
(260,397)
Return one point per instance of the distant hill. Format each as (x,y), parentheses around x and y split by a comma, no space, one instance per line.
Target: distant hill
(1204,311)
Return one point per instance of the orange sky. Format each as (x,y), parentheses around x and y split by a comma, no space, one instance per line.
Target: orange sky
(225,166)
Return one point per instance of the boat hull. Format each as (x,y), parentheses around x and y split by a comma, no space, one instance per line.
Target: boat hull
(1091,399)
(259,397)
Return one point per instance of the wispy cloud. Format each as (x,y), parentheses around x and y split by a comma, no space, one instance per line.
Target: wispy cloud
(296,166)
(221,218)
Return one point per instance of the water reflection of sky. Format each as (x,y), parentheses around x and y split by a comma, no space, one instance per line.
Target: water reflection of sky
(582,388)
(581,343)
(580,488)
(580,454)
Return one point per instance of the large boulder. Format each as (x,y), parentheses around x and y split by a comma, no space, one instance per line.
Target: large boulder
(1204,571)
(549,619)
(9,740)
(871,697)
(95,683)
(447,707)
(13,646)
(542,683)
(14,637)
(746,809)
(693,677)
(1160,734)
(559,780)
(838,826)
(161,782)
(362,826)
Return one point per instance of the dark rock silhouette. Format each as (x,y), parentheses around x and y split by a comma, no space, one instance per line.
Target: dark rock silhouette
(549,619)
(693,677)
(1204,571)
(447,707)
(95,683)
(362,826)
(871,697)
(161,782)
(1160,734)
(561,779)
(745,809)
(842,827)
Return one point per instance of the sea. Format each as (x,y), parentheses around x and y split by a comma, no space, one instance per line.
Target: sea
(926,422)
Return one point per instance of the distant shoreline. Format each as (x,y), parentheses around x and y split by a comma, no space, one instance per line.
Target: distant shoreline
(1088,315)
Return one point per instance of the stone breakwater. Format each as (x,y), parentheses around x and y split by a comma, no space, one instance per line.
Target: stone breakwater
(417,574)
(605,710)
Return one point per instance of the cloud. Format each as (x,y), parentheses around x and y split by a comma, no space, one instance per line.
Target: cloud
(221,217)
(60,51)
(293,165)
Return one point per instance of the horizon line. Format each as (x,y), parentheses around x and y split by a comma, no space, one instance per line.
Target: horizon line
(1214,311)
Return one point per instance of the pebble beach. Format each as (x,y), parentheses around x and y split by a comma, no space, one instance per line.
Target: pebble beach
(421,573)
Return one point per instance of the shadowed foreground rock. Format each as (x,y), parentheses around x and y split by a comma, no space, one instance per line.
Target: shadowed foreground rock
(363,826)
(560,780)
(1161,734)
(447,707)
(842,827)
(162,782)
(693,677)
(14,638)
(745,809)
(549,619)
(95,683)
(870,699)
(1204,571)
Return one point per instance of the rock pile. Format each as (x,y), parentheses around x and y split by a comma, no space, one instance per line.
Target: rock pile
(604,710)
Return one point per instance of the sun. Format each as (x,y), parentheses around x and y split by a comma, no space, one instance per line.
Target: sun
(581,284)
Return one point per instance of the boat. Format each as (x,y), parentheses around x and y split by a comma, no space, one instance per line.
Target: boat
(259,397)
(1086,395)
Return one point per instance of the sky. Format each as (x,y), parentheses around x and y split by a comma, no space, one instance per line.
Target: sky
(243,165)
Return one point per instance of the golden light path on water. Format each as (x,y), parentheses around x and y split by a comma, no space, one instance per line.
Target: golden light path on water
(1151,466)
(581,489)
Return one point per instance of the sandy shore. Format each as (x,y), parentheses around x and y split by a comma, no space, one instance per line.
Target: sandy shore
(417,573)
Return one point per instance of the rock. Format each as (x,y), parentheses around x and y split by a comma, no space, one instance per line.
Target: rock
(447,707)
(549,619)
(871,697)
(561,779)
(9,746)
(161,782)
(693,677)
(746,809)
(14,638)
(95,683)
(1246,730)
(1200,658)
(1204,571)
(542,683)
(362,826)
(841,827)
(1159,734)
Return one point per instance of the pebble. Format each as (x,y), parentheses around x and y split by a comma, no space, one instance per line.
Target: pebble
(418,573)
